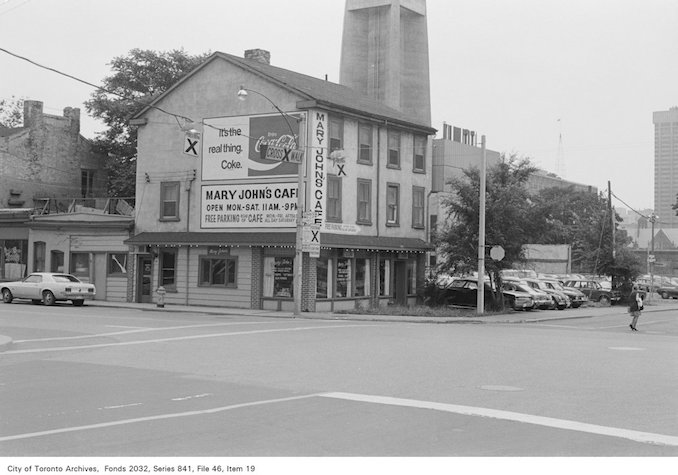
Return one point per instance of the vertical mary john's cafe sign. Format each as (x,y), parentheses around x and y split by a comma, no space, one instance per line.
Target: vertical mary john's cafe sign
(318,165)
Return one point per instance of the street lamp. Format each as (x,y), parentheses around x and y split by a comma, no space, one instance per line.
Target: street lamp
(481,230)
(299,255)
(650,263)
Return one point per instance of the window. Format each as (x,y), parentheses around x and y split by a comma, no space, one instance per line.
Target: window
(418,163)
(80,264)
(169,201)
(57,261)
(168,270)
(39,256)
(33,279)
(336,134)
(393,149)
(384,277)
(364,201)
(362,277)
(333,198)
(365,143)
(343,277)
(218,272)
(13,259)
(411,277)
(392,204)
(117,264)
(87,183)
(279,277)
(417,207)
(323,280)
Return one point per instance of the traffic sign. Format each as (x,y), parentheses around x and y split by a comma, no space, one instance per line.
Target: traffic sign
(650,258)
(497,253)
(310,241)
(281,154)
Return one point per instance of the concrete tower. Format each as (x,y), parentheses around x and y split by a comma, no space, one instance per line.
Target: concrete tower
(384,54)
(666,165)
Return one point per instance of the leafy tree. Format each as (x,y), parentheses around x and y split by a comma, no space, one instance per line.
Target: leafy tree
(582,220)
(508,217)
(138,78)
(11,112)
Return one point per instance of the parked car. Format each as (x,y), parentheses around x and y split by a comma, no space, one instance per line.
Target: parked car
(542,300)
(48,288)
(577,298)
(667,291)
(594,291)
(464,291)
(560,300)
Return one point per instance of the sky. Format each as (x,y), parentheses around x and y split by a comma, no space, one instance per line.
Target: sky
(569,84)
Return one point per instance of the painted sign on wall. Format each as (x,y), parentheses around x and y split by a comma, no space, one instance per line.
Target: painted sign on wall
(253,205)
(232,146)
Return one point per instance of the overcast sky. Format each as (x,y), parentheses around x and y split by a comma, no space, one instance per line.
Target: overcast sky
(522,72)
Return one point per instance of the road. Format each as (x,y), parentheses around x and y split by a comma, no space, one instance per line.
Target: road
(112,382)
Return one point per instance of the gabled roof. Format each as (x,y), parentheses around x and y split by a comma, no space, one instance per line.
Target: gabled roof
(315,92)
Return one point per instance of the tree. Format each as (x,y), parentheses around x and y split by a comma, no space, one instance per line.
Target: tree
(137,80)
(582,220)
(508,217)
(11,112)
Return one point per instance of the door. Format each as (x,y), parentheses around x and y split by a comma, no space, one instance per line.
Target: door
(144,279)
(400,288)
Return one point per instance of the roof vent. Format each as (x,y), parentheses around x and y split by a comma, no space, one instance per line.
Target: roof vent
(260,55)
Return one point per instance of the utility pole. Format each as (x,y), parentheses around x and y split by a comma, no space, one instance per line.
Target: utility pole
(481,232)
(609,206)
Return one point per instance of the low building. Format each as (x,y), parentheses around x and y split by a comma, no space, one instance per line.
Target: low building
(216,221)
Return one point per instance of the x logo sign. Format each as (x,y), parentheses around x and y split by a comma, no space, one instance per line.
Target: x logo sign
(191,146)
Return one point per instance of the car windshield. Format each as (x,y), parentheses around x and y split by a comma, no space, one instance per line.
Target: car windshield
(65,278)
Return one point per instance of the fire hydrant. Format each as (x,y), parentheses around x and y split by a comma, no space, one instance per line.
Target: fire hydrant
(161,297)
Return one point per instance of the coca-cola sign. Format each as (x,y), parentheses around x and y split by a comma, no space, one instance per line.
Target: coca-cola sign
(232,146)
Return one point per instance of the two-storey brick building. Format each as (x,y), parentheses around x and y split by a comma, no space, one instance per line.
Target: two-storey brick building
(216,222)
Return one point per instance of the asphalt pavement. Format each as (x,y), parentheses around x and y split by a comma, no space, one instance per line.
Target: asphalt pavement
(512,317)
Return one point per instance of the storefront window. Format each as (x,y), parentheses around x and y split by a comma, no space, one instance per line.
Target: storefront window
(80,264)
(57,261)
(362,277)
(168,270)
(13,259)
(279,277)
(117,264)
(322,289)
(343,277)
(218,272)
(411,277)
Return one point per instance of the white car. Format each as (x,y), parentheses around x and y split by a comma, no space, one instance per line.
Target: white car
(49,288)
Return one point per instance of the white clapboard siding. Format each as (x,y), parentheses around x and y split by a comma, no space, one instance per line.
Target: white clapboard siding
(116,289)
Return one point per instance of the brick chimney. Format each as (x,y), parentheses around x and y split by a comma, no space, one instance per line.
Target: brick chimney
(260,55)
(33,114)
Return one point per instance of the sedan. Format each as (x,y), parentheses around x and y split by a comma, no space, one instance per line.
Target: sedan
(667,291)
(464,291)
(48,288)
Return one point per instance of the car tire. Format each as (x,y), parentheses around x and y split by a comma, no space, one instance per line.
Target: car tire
(604,300)
(48,298)
(7,296)
(665,295)
(78,303)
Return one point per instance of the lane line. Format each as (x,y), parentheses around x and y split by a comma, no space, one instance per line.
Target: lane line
(637,436)
(178,338)
(139,330)
(104,425)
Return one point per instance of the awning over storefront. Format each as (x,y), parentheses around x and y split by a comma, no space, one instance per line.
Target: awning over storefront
(283,239)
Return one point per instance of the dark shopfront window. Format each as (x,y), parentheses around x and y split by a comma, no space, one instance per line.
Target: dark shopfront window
(168,270)
(13,259)
(279,277)
(218,272)
(342,277)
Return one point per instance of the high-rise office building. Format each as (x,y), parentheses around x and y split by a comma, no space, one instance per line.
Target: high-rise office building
(666,166)
(384,54)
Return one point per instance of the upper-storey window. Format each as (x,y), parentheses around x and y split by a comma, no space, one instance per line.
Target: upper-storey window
(393,149)
(169,201)
(419,158)
(336,134)
(365,146)
(333,198)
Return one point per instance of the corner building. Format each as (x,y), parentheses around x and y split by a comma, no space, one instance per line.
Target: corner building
(216,222)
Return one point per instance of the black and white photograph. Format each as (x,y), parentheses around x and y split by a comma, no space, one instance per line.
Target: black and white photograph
(338,236)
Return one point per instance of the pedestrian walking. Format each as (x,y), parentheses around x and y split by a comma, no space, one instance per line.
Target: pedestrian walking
(635,307)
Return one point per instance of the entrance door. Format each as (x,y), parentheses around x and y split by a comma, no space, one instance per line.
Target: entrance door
(144,280)
(400,289)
